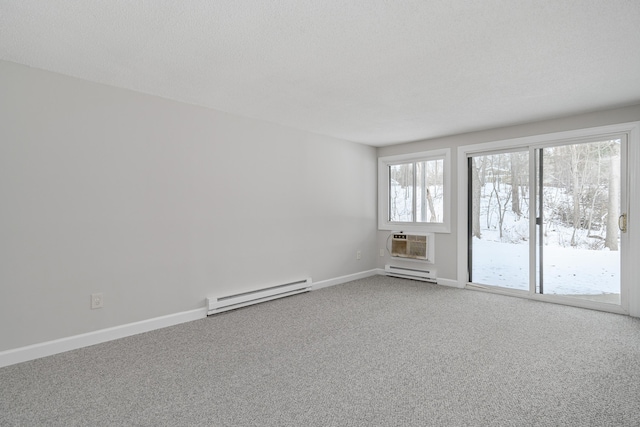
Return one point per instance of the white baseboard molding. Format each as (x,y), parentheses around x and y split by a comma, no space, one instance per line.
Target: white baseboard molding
(344,279)
(449,282)
(49,348)
(440,280)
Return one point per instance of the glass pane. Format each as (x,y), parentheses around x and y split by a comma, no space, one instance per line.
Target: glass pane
(500,220)
(581,205)
(401,192)
(429,191)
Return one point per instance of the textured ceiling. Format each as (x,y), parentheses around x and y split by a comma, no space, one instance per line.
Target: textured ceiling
(376,72)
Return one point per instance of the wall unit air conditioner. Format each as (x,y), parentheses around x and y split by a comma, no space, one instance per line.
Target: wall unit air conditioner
(413,246)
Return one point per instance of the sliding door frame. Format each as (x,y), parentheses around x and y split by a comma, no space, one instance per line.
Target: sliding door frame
(630,241)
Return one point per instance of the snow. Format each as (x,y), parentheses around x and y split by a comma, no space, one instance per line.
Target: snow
(567,270)
(401,199)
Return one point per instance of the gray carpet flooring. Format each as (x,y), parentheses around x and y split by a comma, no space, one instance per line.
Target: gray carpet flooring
(373,352)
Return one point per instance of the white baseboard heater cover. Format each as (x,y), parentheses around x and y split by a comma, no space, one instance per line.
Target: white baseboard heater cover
(231,302)
(427,275)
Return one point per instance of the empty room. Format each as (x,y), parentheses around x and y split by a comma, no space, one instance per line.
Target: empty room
(296,213)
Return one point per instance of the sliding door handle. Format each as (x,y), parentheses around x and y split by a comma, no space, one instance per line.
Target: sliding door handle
(622,222)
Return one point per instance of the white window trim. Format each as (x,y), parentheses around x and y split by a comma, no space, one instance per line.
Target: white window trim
(383,192)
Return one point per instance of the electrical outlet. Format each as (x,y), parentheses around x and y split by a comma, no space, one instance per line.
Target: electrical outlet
(97,300)
(358,255)
(381,252)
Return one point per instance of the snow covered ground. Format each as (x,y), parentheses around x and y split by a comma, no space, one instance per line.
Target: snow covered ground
(567,271)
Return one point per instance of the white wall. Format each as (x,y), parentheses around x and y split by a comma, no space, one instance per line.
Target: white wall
(446,244)
(159,204)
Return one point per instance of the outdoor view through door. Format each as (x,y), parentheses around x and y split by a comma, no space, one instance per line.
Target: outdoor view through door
(570,194)
(499,200)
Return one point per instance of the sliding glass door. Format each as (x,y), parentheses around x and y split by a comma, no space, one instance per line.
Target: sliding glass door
(579,207)
(547,219)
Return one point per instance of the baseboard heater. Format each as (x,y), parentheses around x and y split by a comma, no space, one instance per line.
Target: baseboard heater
(231,302)
(427,275)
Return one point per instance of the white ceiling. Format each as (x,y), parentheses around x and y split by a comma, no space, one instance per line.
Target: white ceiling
(372,71)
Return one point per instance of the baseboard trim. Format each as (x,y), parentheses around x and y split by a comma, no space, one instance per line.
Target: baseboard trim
(449,282)
(49,348)
(344,279)
(440,280)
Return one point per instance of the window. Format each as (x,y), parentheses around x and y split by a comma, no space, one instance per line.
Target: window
(413,192)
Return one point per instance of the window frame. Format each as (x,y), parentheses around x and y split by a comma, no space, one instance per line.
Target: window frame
(384,163)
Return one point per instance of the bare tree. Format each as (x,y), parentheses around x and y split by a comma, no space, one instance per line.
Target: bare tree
(432,210)
(575,181)
(596,193)
(502,208)
(613,208)
(515,183)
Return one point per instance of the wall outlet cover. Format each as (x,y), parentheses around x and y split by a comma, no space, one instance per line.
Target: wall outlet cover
(97,300)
